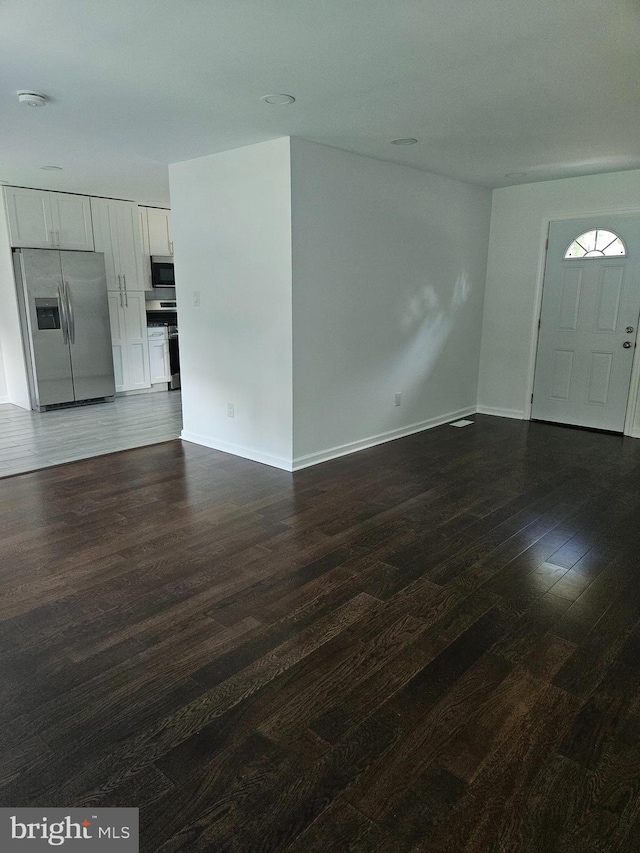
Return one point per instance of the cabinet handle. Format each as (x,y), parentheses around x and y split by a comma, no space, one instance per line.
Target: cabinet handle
(58,239)
(171,247)
(122,281)
(51,240)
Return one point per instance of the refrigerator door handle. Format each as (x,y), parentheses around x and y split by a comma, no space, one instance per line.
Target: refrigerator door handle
(126,295)
(62,308)
(72,322)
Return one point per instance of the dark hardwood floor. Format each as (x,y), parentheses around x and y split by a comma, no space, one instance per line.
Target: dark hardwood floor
(432,645)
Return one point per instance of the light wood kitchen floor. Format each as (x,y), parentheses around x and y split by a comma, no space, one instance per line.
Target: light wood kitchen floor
(31,440)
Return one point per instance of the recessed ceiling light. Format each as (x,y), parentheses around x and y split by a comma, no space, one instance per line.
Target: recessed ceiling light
(52,168)
(279,100)
(515,174)
(404,140)
(31,99)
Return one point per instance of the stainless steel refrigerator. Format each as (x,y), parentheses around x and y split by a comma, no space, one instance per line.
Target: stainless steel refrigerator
(64,311)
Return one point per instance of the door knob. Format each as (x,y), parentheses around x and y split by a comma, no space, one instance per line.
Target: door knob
(627,344)
(629,330)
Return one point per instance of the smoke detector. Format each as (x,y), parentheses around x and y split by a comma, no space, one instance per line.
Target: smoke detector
(31,99)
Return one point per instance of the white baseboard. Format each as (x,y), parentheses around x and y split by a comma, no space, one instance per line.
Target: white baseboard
(352,447)
(21,404)
(323,455)
(158,388)
(235,450)
(518,414)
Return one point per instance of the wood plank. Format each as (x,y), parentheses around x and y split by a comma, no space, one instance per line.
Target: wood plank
(430,645)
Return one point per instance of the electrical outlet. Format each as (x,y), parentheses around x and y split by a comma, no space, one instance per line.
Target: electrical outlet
(398,399)
(231,410)
(196,297)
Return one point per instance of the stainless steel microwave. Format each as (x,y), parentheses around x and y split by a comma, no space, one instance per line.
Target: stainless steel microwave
(162,272)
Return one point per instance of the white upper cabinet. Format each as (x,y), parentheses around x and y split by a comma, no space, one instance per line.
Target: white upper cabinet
(117,234)
(159,230)
(29,215)
(48,220)
(146,254)
(72,221)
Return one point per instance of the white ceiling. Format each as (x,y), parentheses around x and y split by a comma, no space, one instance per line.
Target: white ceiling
(489,87)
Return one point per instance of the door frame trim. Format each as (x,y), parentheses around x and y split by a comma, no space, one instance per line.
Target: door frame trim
(634,386)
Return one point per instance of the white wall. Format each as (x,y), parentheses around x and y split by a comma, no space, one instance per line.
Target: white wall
(14,384)
(4,397)
(519,223)
(231,219)
(389,269)
(4,394)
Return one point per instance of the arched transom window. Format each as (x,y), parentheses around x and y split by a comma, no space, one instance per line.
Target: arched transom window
(596,244)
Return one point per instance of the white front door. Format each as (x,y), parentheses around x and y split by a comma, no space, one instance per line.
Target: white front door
(588,324)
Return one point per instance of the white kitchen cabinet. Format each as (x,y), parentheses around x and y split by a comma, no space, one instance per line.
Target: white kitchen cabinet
(117,235)
(127,312)
(146,254)
(48,220)
(159,231)
(159,364)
